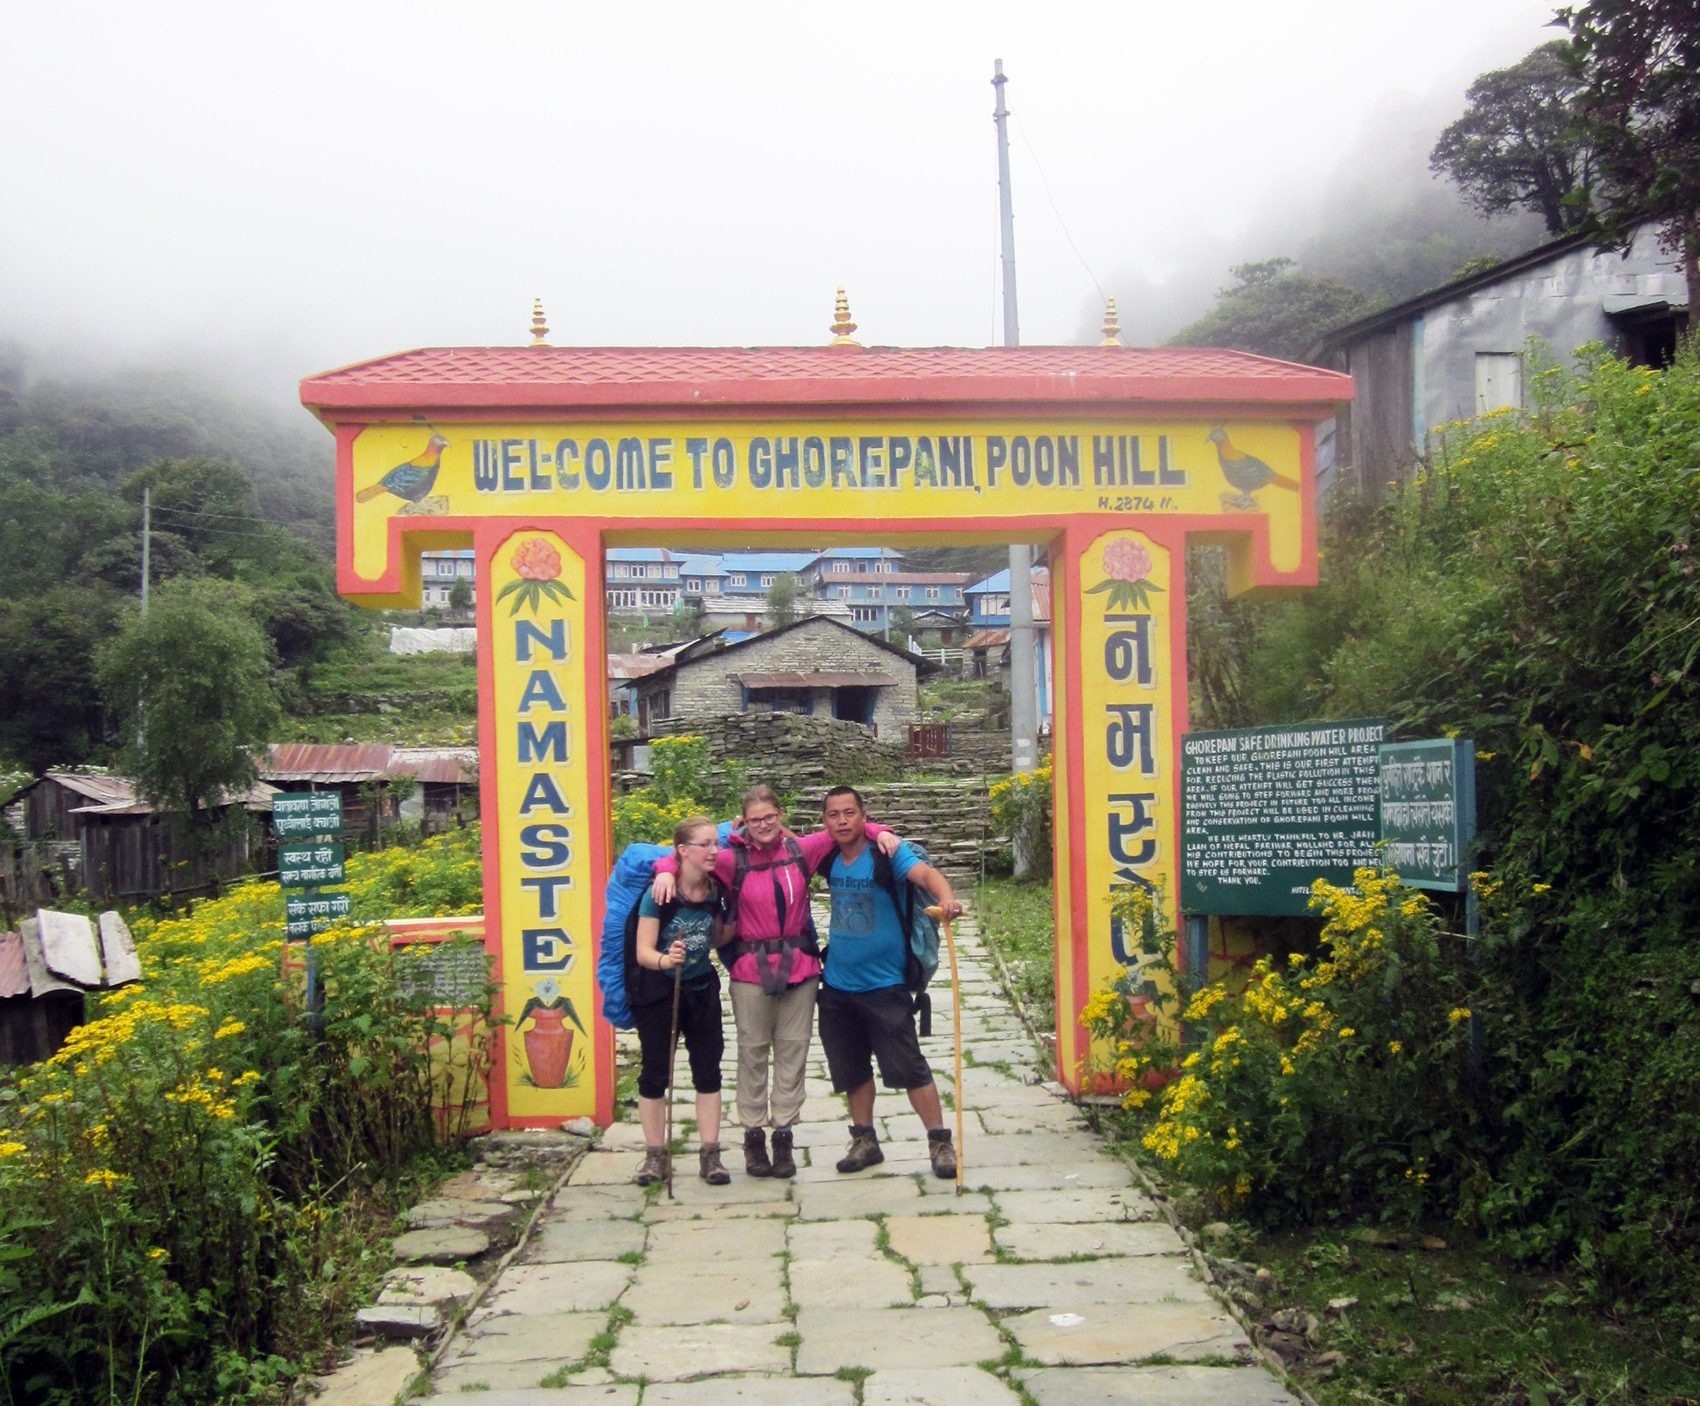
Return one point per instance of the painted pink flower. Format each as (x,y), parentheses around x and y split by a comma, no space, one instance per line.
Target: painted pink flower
(538,565)
(1127,561)
(536,560)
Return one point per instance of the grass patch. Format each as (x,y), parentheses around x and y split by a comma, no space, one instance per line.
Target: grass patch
(1017,922)
(1460,1327)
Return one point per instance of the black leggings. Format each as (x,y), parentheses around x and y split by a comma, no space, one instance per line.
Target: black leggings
(699,1027)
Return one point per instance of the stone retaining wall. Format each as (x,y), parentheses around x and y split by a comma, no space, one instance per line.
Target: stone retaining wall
(951,818)
(794,753)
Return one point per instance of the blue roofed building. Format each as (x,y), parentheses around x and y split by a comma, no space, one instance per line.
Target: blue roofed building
(753,573)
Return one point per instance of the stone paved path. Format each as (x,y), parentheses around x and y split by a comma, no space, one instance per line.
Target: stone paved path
(1051,1280)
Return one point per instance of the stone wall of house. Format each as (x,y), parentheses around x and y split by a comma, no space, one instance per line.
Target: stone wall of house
(708,687)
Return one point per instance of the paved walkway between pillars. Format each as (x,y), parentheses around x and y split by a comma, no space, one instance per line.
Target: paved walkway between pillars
(1051,1279)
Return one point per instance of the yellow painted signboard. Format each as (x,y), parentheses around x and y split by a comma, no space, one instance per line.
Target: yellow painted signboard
(540,476)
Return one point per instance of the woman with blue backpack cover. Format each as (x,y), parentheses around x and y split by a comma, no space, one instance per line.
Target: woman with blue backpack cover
(670,962)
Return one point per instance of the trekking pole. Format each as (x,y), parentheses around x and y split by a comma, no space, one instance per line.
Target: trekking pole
(672,1064)
(938,915)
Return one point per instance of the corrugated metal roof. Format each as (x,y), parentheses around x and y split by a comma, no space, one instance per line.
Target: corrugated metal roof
(820,679)
(438,766)
(327,761)
(256,797)
(635,666)
(986,639)
(99,788)
(14,970)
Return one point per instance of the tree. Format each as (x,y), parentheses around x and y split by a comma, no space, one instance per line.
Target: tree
(190,685)
(1640,105)
(1275,311)
(460,594)
(50,707)
(782,600)
(1519,144)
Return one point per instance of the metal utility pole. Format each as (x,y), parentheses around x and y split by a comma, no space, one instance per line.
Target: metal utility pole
(1023,721)
(147,525)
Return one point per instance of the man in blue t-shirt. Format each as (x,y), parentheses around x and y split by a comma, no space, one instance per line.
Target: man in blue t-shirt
(865,1010)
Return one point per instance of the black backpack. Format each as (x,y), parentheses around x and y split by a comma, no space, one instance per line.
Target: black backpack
(921,950)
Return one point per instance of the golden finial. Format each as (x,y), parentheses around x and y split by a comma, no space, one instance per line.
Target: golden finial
(1112,325)
(842,326)
(539,328)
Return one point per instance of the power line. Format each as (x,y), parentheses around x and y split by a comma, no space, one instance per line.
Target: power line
(203,512)
(1061,223)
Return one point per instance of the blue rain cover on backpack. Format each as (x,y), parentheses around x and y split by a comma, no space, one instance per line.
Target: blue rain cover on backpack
(632,874)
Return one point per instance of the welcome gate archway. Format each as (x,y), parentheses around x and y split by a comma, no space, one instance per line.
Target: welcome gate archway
(540,457)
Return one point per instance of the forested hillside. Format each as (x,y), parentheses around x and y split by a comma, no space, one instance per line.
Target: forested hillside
(239,494)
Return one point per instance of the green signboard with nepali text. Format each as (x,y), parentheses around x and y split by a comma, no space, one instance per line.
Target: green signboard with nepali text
(298,814)
(309,865)
(1428,810)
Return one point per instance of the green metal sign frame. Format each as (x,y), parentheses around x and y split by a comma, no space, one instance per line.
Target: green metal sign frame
(1427,811)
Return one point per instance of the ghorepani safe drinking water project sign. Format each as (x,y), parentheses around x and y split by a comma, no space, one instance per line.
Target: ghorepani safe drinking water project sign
(539,458)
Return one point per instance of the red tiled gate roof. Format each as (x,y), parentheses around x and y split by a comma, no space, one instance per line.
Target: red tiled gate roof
(710,378)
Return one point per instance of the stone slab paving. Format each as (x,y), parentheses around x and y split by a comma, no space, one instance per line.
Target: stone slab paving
(1054,1280)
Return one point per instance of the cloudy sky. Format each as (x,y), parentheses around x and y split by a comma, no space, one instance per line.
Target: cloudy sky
(284,188)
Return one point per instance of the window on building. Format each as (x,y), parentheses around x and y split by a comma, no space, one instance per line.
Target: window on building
(932,592)
(864,614)
(902,593)
(1499,381)
(843,592)
(740,579)
(767,580)
(661,703)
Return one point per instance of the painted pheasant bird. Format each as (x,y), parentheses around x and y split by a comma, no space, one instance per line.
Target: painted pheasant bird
(414,479)
(1244,472)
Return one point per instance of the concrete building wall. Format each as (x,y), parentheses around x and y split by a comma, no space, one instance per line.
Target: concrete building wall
(1561,301)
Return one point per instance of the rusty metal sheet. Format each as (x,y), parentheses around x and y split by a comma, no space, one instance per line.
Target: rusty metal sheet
(14,968)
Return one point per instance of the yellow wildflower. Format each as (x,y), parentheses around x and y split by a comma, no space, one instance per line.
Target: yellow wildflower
(1458,1013)
(229,1028)
(12,1149)
(1346,1032)
(102,1176)
(1395,1046)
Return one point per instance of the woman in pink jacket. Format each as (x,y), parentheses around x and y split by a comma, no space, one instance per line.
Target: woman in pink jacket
(774,964)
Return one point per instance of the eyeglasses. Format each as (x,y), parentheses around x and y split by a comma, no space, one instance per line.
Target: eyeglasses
(702,844)
(772,819)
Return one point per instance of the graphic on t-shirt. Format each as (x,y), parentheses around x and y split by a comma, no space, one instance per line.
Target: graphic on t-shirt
(852,913)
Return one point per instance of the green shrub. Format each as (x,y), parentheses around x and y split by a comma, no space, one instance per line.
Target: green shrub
(180,1182)
(1535,589)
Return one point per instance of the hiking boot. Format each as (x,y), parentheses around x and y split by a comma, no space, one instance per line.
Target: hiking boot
(864,1150)
(654,1166)
(784,1164)
(713,1170)
(942,1153)
(755,1154)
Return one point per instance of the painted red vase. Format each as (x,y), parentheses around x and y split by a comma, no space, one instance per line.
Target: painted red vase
(548,1047)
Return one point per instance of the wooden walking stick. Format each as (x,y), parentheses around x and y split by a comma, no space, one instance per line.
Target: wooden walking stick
(938,915)
(672,1065)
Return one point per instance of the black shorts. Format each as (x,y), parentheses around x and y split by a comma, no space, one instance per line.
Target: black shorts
(858,1026)
(699,1028)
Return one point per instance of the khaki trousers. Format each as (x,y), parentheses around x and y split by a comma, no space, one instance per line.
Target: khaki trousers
(776,1028)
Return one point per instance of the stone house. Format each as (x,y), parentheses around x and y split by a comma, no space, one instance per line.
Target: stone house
(815,667)
(1458,351)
